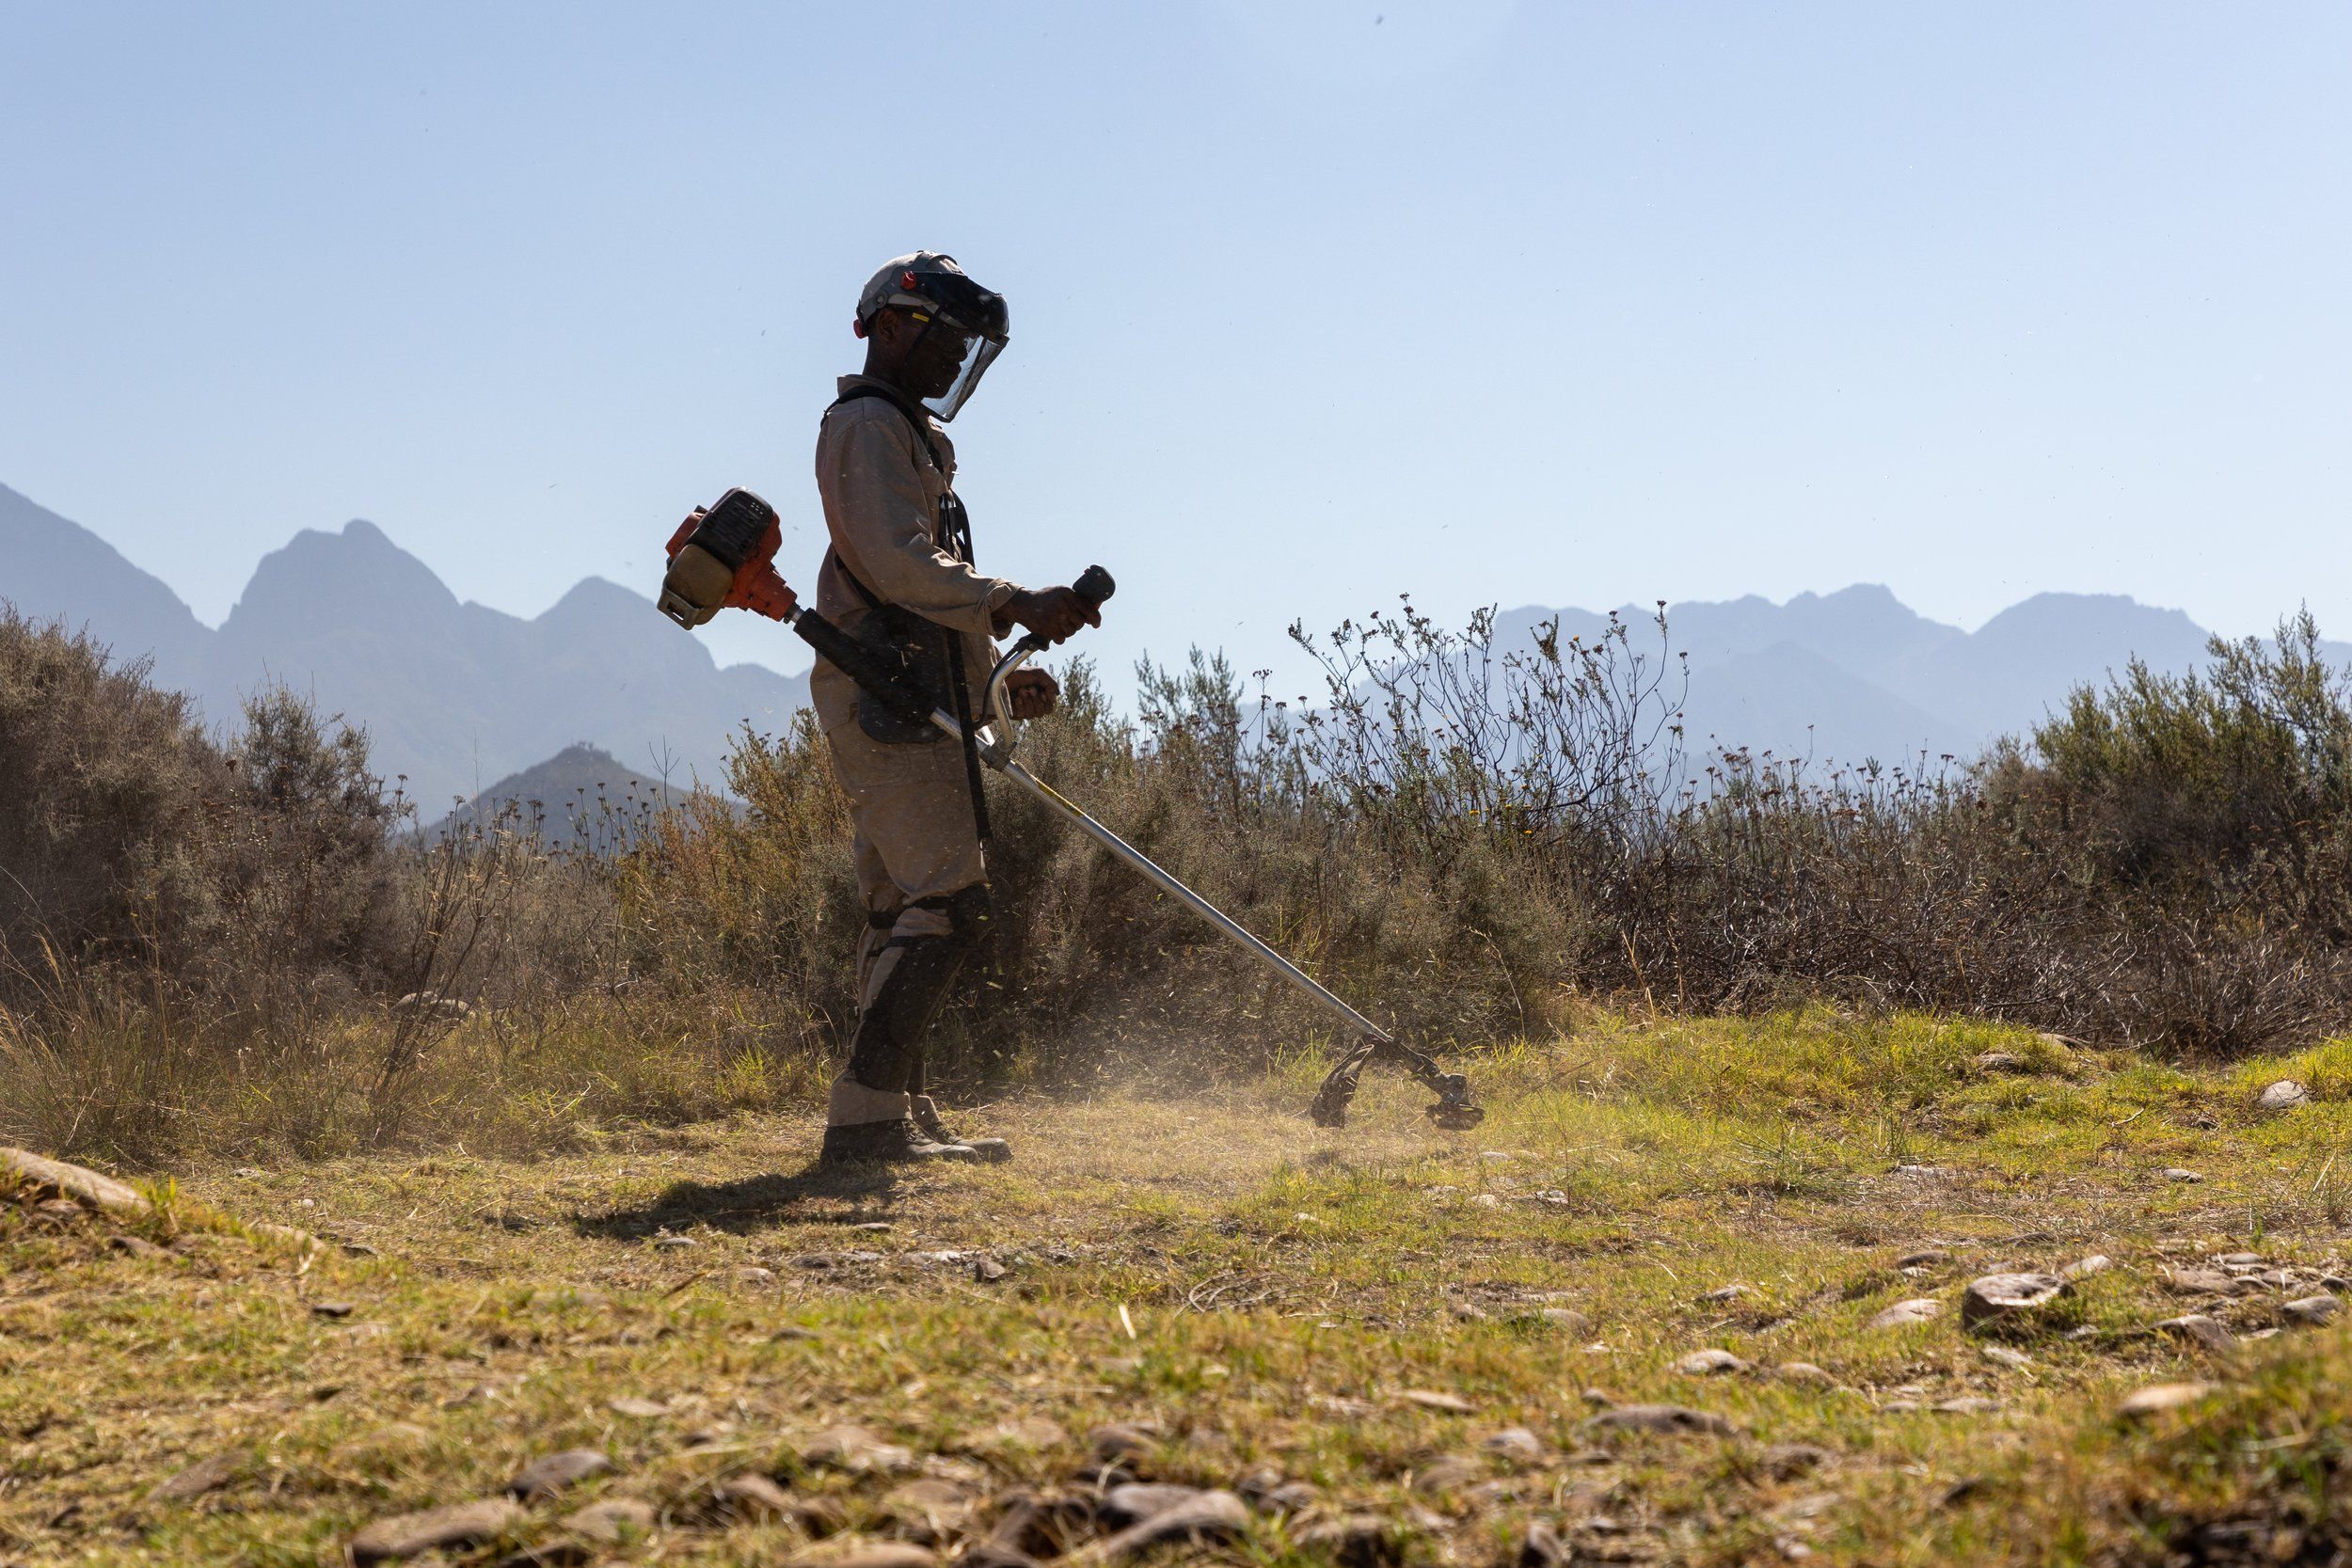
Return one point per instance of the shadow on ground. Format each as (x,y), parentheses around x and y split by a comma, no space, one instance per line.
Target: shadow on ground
(816,1195)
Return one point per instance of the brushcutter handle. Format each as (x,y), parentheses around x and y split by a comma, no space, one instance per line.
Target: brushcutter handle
(1094,585)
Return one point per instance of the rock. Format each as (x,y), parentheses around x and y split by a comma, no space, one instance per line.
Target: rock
(2199,1330)
(2181,1173)
(1448,1473)
(546,1476)
(1354,1541)
(2083,1268)
(676,1242)
(934,1506)
(1672,1419)
(869,1227)
(1136,1501)
(752,1498)
(1119,1443)
(55,1178)
(2284,1095)
(205,1474)
(2001,1061)
(1787,1461)
(636,1409)
(2335,1284)
(136,1246)
(1709,1363)
(2008,1297)
(1541,1547)
(2159,1397)
(612,1521)
(752,1274)
(61,1210)
(858,1450)
(1726,1294)
(2313,1311)
(1802,1372)
(1566,1319)
(2203,1282)
(1432,1399)
(1516,1444)
(1968,1404)
(1926,1258)
(334,1310)
(406,1535)
(987,1271)
(1904,1314)
(2007,1357)
(1210,1517)
(1293,1496)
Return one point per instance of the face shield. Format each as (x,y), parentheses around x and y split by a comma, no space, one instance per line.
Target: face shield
(964,330)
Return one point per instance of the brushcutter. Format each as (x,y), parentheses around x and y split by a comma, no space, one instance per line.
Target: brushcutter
(725,556)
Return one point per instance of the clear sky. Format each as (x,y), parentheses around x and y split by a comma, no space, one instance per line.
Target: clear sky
(1312,303)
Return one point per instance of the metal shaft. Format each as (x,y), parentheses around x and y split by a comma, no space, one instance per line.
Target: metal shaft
(1191,900)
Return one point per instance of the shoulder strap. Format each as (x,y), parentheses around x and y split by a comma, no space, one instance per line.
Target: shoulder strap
(955,523)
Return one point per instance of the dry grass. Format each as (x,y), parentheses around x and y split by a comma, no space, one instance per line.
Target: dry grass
(1285,1288)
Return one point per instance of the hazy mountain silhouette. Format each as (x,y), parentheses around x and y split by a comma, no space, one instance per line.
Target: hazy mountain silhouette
(453,694)
(580,797)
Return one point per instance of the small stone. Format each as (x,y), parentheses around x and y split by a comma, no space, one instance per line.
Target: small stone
(1724,1295)
(1293,1496)
(858,1450)
(359,1249)
(1486,1201)
(1904,1314)
(545,1477)
(2203,1282)
(2201,1331)
(1787,1461)
(55,1179)
(2008,1297)
(331,1309)
(1448,1473)
(2159,1397)
(136,1246)
(612,1521)
(2083,1268)
(2313,1311)
(1119,1443)
(2284,1095)
(1355,1540)
(752,1498)
(1136,1501)
(1968,1404)
(2181,1173)
(1433,1398)
(2336,1284)
(1516,1444)
(636,1409)
(1467,1312)
(2000,1061)
(1926,1258)
(1566,1319)
(1802,1372)
(1709,1363)
(752,1274)
(1673,1419)
(1212,1516)
(205,1474)
(2007,1357)
(987,1271)
(406,1535)
(676,1242)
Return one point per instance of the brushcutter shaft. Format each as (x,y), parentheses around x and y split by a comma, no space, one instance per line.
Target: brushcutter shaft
(1190,900)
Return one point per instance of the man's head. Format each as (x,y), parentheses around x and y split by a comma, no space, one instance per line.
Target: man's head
(929,330)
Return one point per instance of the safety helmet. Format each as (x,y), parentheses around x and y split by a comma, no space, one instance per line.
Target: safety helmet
(938,293)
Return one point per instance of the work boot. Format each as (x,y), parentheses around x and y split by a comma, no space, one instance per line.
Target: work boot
(991,1152)
(889,1143)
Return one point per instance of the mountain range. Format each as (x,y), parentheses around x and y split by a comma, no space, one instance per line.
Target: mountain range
(454,693)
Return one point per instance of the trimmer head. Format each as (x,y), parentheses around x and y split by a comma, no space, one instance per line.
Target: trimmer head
(1453,1110)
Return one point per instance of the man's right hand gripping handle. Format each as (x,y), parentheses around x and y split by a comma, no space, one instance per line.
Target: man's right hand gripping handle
(1056,613)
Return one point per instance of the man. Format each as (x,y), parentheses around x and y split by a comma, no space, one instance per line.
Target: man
(900,578)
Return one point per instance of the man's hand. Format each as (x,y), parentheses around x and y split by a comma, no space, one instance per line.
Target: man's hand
(1054,613)
(1031,693)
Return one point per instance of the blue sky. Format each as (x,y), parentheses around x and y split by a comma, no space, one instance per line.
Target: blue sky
(1312,304)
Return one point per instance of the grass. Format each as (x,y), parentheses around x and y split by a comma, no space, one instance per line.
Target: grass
(1263,1295)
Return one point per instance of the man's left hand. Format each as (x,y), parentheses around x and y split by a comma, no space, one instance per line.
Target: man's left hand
(1031,693)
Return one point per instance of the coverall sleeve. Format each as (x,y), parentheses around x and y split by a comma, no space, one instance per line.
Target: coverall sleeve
(882,529)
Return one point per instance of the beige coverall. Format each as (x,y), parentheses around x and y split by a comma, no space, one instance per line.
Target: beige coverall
(910,803)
